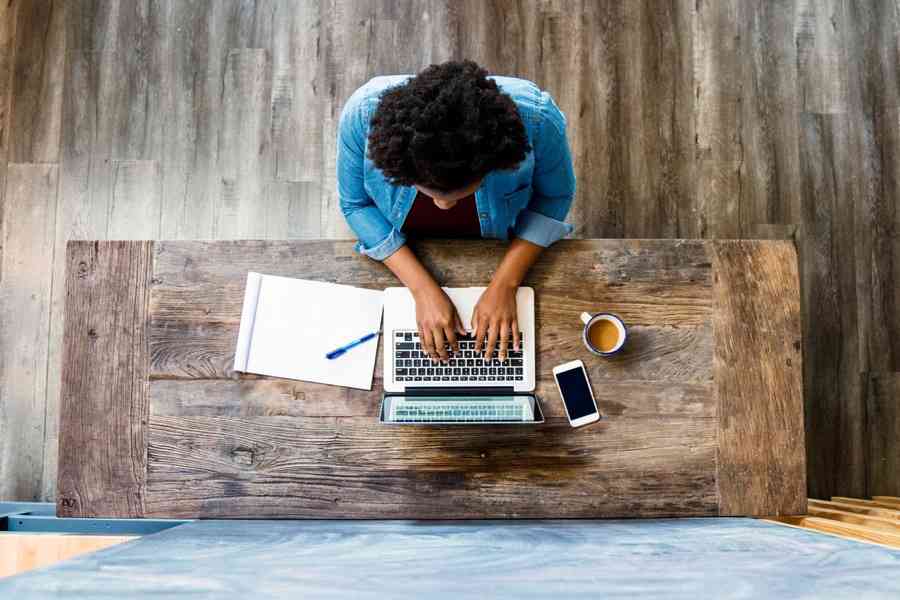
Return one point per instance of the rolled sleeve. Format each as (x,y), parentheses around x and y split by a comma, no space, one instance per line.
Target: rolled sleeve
(540,229)
(383,249)
(553,182)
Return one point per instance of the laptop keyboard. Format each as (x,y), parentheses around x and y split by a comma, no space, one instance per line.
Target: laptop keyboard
(412,364)
(412,411)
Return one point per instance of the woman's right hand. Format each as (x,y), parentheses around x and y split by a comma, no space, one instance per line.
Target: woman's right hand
(438,322)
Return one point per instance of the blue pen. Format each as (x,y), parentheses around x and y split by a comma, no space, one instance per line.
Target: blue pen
(335,353)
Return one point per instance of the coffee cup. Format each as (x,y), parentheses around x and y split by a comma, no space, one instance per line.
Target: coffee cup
(604,334)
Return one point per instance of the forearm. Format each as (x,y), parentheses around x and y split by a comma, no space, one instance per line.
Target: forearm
(412,273)
(519,257)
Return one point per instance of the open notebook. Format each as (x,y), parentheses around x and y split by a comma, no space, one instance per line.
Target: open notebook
(288,325)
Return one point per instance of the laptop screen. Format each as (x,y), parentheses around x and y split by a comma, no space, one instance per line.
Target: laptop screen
(450,409)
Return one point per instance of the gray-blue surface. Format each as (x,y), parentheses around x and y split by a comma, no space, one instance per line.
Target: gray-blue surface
(687,558)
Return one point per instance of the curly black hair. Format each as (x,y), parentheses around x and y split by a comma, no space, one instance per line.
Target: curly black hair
(446,128)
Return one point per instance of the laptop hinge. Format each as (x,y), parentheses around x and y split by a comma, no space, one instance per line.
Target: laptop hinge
(454,391)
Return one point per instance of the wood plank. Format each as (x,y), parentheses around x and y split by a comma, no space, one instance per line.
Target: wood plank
(590,39)
(27,240)
(719,142)
(298,96)
(610,262)
(36,109)
(192,44)
(856,519)
(103,446)
(631,277)
(844,530)
(244,157)
(874,141)
(883,429)
(657,104)
(7,67)
(769,123)
(758,378)
(819,34)
(854,508)
(189,350)
(833,372)
(892,500)
(267,397)
(861,502)
(23,552)
(287,467)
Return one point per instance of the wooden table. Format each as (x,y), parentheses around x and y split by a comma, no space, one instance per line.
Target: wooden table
(704,408)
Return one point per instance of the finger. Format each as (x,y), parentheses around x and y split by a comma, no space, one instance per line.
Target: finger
(492,339)
(504,340)
(459,325)
(427,342)
(450,334)
(439,343)
(478,325)
(515,336)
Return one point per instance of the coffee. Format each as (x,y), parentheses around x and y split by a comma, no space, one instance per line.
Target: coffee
(604,335)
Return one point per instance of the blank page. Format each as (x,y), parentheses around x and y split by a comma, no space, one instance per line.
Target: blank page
(298,321)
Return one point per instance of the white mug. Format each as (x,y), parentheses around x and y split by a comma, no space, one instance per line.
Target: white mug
(589,320)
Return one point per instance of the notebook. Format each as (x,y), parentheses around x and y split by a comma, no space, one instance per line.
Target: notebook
(288,325)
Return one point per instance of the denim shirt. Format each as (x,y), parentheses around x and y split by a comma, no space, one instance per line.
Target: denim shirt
(529,201)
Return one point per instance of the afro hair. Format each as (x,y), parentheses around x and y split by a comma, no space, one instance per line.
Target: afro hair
(446,128)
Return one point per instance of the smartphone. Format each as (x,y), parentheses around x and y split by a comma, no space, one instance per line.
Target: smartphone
(577,396)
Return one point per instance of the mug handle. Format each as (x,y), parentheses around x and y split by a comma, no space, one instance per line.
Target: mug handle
(586,317)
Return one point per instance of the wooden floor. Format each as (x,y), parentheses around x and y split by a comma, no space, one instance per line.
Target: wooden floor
(128,119)
(876,520)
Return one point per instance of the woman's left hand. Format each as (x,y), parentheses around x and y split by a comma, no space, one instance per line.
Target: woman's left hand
(495,317)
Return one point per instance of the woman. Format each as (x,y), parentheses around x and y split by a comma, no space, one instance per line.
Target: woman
(452,152)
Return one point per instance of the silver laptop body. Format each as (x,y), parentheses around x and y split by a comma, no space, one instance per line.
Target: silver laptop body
(466,390)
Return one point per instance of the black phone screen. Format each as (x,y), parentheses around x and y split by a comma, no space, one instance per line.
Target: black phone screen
(576,393)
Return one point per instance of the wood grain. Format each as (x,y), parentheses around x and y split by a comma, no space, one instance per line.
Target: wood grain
(245,145)
(857,509)
(103,445)
(890,525)
(758,378)
(350,467)
(7,68)
(864,503)
(834,403)
(38,82)
(845,530)
(294,443)
(27,241)
(883,425)
(265,397)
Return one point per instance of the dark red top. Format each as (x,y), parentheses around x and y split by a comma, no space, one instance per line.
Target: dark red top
(425,219)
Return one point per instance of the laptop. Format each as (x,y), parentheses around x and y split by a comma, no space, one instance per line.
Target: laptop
(467,389)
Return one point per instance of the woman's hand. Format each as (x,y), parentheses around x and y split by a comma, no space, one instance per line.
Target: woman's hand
(438,322)
(495,316)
